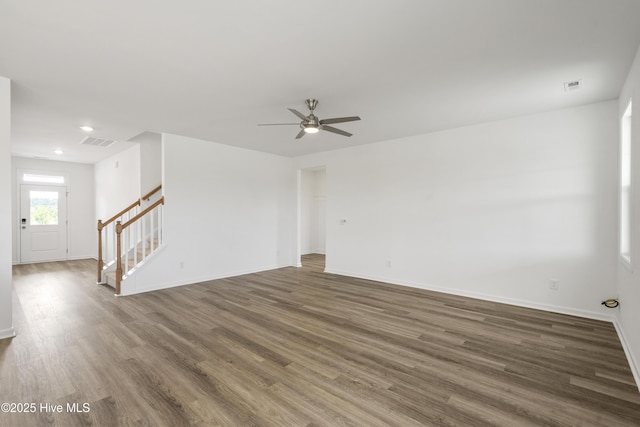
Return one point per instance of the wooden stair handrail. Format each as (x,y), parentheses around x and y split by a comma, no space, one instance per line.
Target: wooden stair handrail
(100,260)
(151,193)
(102,224)
(120,227)
(118,256)
(160,201)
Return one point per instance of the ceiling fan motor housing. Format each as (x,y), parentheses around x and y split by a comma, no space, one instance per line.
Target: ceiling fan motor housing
(312,120)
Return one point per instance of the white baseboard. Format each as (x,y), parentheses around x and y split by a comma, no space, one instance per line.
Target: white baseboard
(633,364)
(485,297)
(7,333)
(71,258)
(79,257)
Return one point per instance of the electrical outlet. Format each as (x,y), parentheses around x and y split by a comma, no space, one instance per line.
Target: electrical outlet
(388,264)
(554,284)
(181,264)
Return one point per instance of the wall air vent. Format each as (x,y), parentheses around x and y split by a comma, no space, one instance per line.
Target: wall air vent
(571,86)
(98,142)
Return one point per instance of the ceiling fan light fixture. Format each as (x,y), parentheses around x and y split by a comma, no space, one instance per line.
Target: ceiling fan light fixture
(311,129)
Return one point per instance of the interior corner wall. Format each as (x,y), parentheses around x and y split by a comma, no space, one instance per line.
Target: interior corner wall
(117,182)
(150,161)
(6,287)
(81,215)
(228,211)
(628,313)
(494,211)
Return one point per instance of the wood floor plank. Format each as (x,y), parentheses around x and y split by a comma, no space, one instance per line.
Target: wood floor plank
(300,347)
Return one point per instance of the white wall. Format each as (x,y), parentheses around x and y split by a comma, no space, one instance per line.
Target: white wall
(150,160)
(117,181)
(228,211)
(628,283)
(493,211)
(80,212)
(6,313)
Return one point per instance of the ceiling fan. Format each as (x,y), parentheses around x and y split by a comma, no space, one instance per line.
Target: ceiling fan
(311,123)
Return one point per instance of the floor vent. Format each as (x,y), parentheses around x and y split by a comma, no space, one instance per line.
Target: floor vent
(98,142)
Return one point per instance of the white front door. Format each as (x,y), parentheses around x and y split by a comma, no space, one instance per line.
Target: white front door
(43,223)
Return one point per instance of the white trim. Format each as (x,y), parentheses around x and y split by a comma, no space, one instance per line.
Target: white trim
(298,242)
(485,297)
(633,364)
(626,261)
(626,252)
(7,333)
(73,258)
(81,257)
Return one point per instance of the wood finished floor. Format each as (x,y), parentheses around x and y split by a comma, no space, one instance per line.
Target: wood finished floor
(298,347)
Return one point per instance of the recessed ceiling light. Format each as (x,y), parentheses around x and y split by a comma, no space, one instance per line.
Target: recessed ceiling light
(58,151)
(86,128)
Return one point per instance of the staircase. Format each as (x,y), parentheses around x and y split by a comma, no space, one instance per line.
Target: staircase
(129,238)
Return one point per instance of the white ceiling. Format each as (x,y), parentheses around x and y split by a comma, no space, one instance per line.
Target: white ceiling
(214,70)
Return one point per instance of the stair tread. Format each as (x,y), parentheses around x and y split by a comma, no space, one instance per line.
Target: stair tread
(111,274)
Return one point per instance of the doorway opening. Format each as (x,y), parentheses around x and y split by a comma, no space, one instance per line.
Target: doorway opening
(314,262)
(311,217)
(41,216)
(43,223)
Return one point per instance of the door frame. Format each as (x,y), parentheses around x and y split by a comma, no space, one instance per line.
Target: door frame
(299,223)
(20,181)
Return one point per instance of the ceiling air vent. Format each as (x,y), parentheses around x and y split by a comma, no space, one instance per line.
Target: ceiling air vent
(571,86)
(98,142)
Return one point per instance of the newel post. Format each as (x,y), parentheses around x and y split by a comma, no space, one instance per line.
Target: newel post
(118,256)
(100,260)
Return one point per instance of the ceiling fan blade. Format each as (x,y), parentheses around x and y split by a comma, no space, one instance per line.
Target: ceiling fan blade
(298,113)
(278,124)
(300,134)
(335,130)
(339,120)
